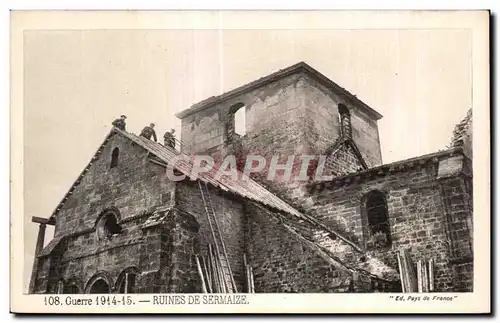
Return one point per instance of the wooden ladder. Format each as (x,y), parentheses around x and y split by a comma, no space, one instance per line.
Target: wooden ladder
(220,248)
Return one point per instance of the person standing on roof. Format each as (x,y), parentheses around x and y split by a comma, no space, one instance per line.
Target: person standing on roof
(120,123)
(169,138)
(149,132)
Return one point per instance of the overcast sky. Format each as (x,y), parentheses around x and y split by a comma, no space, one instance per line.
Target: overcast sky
(77,82)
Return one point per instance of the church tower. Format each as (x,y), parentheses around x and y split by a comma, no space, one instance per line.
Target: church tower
(295,111)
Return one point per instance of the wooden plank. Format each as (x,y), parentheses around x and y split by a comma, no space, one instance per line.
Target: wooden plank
(401,274)
(215,278)
(407,272)
(203,286)
(40,220)
(404,271)
(214,270)
(225,286)
(411,275)
(431,275)
(207,274)
(220,274)
(218,258)
(216,273)
(217,227)
(419,277)
(247,281)
(425,278)
(252,289)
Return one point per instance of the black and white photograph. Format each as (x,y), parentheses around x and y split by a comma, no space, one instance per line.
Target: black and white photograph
(222,157)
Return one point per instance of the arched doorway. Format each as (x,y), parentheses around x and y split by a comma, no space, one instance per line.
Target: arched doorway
(100,286)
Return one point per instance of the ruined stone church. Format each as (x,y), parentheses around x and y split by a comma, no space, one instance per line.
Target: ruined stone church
(124,227)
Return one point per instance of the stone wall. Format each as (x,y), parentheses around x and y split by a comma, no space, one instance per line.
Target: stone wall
(309,125)
(46,276)
(231,220)
(160,253)
(181,243)
(208,127)
(133,187)
(291,116)
(418,217)
(85,256)
(282,262)
(321,123)
(134,190)
(462,135)
(456,194)
(343,161)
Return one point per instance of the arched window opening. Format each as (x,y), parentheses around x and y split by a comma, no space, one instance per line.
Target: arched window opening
(67,287)
(344,120)
(107,226)
(114,158)
(378,220)
(240,122)
(236,120)
(100,286)
(71,289)
(127,283)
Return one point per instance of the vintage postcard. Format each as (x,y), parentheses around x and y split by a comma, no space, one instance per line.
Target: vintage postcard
(250,162)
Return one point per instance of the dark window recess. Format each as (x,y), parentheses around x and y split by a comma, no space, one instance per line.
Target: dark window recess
(71,289)
(108,226)
(114,158)
(378,220)
(100,287)
(345,121)
(127,285)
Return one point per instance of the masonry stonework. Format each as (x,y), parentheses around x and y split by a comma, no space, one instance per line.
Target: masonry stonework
(131,220)
(231,220)
(284,263)
(322,128)
(419,215)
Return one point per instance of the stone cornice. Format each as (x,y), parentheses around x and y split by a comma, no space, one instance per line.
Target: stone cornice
(383,170)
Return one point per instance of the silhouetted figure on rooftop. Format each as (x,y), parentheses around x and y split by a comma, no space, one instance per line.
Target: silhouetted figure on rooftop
(120,123)
(169,138)
(149,132)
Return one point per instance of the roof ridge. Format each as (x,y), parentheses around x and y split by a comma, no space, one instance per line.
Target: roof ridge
(248,190)
(390,167)
(272,200)
(284,72)
(95,156)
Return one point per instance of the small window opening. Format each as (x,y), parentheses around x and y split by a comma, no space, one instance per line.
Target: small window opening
(236,120)
(378,220)
(344,120)
(69,287)
(240,122)
(114,158)
(127,285)
(108,226)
